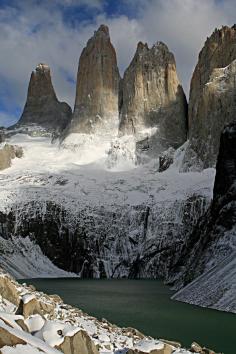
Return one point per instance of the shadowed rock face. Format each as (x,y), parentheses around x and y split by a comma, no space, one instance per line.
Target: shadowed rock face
(151,97)
(212,102)
(210,249)
(42,106)
(96,103)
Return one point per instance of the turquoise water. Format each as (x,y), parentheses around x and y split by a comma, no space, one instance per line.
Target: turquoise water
(146,305)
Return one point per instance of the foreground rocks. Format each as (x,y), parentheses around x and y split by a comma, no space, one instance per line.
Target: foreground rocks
(7,154)
(62,328)
(151,97)
(42,107)
(212,98)
(96,104)
(78,343)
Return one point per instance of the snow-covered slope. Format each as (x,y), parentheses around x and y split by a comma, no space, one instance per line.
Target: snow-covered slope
(24,259)
(112,217)
(216,288)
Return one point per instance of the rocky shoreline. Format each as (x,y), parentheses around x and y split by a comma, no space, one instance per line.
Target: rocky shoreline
(33,322)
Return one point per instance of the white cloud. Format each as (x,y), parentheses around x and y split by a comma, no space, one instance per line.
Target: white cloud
(32,33)
(184,25)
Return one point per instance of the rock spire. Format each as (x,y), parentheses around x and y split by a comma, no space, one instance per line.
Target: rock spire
(151,97)
(96,103)
(42,106)
(212,102)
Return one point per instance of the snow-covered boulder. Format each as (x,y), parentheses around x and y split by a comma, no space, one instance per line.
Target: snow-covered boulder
(29,305)
(8,290)
(151,347)
(79,342)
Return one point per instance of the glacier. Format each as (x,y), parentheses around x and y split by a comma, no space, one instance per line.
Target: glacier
(94,211)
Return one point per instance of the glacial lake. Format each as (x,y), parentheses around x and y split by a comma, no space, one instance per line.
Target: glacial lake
(146,305)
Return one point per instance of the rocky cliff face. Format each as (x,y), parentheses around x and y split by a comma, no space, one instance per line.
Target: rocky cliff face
(96,103)
(212,102)
(210,252)
(42,106)
(152,97)
(132,242)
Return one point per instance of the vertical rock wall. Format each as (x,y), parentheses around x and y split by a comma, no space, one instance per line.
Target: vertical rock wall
(96,103)
(152,97)
(42,106)
(212,102)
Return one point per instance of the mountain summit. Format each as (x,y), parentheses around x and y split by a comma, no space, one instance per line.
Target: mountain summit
(42,106)
(212,98)
(96,103)
(152,97)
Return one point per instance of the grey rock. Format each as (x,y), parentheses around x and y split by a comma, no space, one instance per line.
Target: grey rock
(152,97)
(42,107)
(209,257)
(96,103)
(212,102)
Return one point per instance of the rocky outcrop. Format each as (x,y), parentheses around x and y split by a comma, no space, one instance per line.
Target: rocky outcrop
(8,290)
(79,343)
(7,154)
(9,339)
(29,305)
(166,159)
(212,102)
(209,257)
(152,97)
(96,103)
(42,107)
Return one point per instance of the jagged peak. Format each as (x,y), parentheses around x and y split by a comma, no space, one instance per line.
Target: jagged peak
(103,28)
(160,46)
(41,67)
(103,31)
(221,33)
(141,46)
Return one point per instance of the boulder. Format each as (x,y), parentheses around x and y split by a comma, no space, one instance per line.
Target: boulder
(8,290)
(96,103)
(151,99)
(8,338)
(30,305)
(172,343)
(20,322)
(151,347)
(196,348)
(79,343)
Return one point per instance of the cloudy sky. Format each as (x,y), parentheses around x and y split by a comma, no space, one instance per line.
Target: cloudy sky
(55,32)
